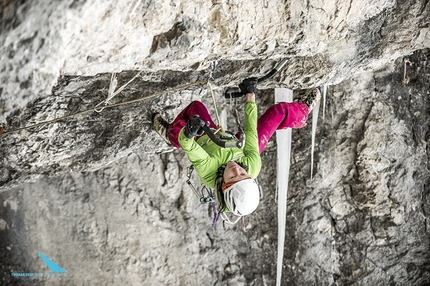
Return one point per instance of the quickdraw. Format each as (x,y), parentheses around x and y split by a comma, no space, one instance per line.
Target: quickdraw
(405,79)
(205,195)
(203,198)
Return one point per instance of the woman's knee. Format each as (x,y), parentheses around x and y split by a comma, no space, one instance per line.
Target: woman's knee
(197,104)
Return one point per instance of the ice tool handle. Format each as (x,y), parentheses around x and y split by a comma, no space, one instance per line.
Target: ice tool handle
(229,93)
(240,143)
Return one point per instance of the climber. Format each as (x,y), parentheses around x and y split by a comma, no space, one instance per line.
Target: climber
(231,171)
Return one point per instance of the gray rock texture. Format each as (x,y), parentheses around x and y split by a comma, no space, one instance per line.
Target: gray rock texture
(103,197)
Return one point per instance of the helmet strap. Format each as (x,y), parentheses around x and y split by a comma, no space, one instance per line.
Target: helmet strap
(226,219)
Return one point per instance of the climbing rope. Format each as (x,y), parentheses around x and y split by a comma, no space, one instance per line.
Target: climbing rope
(220,128)
(185,86)
(111,93)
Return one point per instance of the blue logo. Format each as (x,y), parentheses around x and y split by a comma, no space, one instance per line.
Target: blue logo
(52,266)
(56,270)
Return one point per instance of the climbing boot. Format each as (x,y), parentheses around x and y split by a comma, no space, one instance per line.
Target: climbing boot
(160,126)
(311,98)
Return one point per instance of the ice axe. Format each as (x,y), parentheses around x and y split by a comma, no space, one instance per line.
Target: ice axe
(234,93)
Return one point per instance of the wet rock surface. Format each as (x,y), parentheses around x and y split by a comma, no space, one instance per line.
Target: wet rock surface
(103,197)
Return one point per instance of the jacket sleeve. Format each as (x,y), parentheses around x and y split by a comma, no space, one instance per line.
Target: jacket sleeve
(251,150)
(205,165)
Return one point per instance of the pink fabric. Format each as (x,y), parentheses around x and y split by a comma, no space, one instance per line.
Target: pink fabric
(279,116)
(195,107)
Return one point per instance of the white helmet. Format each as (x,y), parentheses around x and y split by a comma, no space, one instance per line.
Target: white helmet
(243,197)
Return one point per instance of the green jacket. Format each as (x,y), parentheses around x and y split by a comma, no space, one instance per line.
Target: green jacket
(210,157)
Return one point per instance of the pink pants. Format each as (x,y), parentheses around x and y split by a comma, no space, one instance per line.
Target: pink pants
(279,116)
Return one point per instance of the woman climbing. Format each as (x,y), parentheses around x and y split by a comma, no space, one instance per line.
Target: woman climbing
(232,171)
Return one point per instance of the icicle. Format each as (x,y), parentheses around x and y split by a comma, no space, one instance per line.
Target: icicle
(325,87)
(314,131)
(283,139)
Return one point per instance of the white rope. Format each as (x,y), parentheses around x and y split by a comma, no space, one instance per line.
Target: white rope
(107,106)
(220,128)
(111,93)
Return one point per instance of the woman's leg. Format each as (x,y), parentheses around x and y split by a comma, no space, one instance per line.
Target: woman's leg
(281,116)
(195,107)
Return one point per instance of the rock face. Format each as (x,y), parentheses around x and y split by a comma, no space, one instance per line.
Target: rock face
(100,194)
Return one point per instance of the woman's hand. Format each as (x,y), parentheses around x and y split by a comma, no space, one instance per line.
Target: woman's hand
(194,127)
(249,85)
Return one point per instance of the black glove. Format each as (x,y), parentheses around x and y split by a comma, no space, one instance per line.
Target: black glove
(249,85)
(194,127)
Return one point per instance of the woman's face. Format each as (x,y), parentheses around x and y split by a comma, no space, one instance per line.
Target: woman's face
(234,173)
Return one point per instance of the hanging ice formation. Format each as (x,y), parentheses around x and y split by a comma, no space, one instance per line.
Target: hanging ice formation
(325,87)
(314,125)
(314,130)
(283,139)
